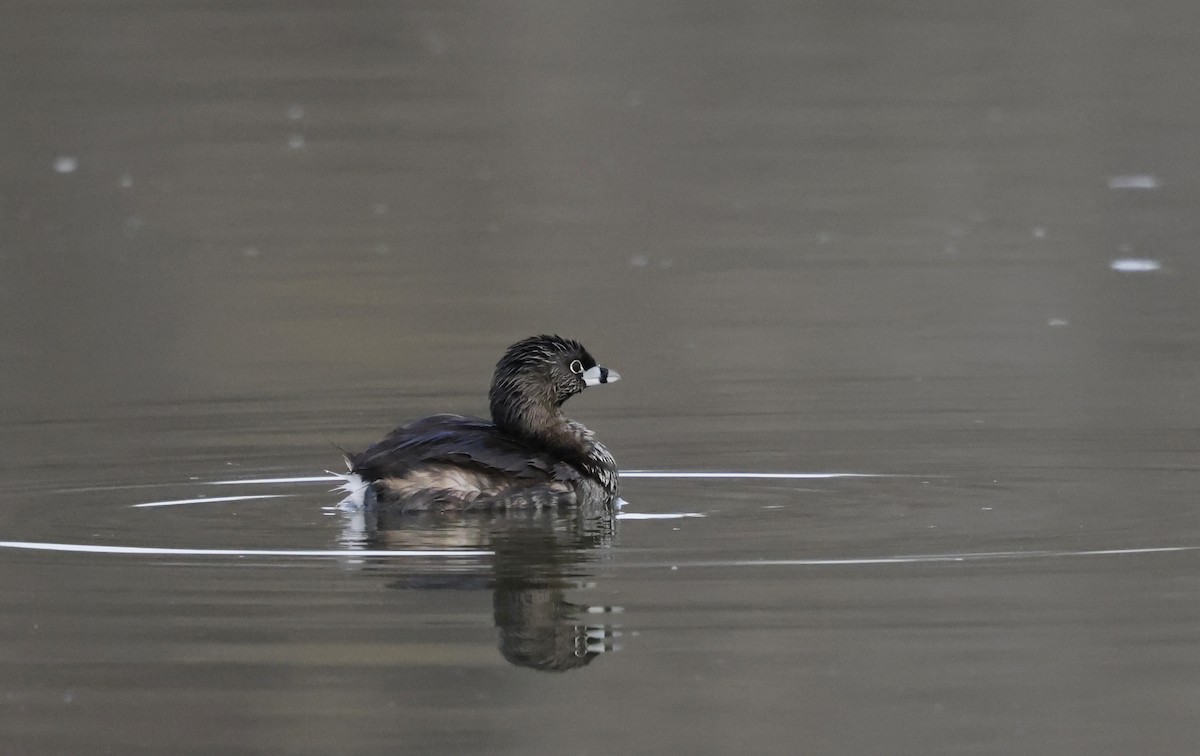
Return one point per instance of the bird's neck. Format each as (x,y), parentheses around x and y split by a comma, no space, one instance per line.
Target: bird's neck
(533,417)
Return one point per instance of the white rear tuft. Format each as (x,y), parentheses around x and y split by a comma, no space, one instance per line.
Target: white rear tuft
(356,491)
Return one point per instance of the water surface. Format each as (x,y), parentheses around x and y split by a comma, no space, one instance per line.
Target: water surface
(812,238)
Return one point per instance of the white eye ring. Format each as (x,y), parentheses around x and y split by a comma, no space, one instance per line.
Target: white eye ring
(576,367)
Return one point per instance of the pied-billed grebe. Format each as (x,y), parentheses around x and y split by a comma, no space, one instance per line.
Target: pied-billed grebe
(530,455)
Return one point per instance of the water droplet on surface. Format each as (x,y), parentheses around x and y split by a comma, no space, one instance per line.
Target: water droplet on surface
(125,181)
(66,164)
(295,142)
(1039,232)
(1134,181)
(295,112)
(1135,265)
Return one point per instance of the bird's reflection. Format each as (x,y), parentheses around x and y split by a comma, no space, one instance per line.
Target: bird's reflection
(538,556)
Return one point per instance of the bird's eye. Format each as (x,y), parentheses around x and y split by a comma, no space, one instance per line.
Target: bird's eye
(576,367)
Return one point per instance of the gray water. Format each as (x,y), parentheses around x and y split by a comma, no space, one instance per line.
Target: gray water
(812,237)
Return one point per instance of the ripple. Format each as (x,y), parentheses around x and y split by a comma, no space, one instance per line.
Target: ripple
(207,500)
(801,562)
(88,548)
(661,474)
(92,548)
